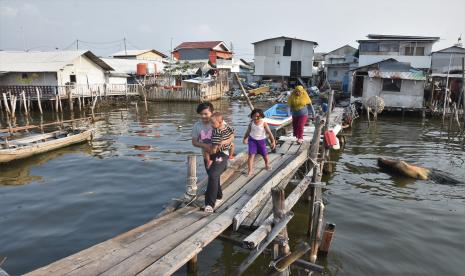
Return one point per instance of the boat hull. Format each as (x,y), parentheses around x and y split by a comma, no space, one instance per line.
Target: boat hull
(8,155)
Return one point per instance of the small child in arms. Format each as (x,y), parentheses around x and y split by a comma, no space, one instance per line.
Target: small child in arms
(255,136)
(222,133)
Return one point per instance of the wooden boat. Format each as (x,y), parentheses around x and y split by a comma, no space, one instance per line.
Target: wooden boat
(40,143)
(278,116)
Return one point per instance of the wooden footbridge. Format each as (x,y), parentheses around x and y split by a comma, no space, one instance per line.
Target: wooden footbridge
(165,244)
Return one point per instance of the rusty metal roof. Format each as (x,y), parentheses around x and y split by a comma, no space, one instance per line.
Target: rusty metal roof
(411,75)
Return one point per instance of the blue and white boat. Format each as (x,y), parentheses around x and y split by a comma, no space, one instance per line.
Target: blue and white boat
(278,115)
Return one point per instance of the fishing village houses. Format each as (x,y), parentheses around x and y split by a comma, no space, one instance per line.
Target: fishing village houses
(53,73)
(337,64)
(284,59)
(393,68)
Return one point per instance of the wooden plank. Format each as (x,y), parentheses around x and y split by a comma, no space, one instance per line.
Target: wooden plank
(260,234)
(95,258)
(284,148)
(143,258)
(273,233)
(249,220)
(266,188)
(294,148)
(169,263)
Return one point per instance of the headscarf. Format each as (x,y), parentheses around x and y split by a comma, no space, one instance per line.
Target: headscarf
(297,102)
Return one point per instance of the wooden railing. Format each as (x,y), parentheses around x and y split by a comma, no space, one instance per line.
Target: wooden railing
(76,90)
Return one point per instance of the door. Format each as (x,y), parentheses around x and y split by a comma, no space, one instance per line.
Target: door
(358,86)
(296,69)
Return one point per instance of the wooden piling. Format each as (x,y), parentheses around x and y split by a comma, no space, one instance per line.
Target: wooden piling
(5,101)
(327,239)
(70,100)
(13,105)
(286,261)
(192,265)
(60,105)
(23,95)
(38,100)
(281,244)
(191,181)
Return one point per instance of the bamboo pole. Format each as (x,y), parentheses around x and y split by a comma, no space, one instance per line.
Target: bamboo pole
(446,90)
(56,104)
(5,101)
(274,232)
(463,90)
(70,99)
(244,92)
(23,94)
(13,105)
(60,105)
(16,129)
(286,261)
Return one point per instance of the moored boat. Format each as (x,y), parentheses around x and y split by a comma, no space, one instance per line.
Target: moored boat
(278,116)
(35,144)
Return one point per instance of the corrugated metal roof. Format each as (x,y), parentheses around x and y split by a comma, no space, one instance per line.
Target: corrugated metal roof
(199,45)
(285,37)
(137,52)
(412,75)
(402,37)
(53,61)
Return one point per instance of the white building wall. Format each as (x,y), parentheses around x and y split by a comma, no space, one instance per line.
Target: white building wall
(34,78)
(410,95)
(421,62)
(269,63)
(86,71)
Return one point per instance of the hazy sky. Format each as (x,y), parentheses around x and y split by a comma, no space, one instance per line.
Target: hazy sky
(46,24)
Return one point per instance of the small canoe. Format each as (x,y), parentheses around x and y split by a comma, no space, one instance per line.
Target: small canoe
(36,144)
(278,116)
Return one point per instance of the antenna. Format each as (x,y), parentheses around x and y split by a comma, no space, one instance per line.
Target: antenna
(77,44)
(125,51)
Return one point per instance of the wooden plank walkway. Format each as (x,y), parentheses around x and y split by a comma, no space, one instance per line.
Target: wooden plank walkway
(164,244)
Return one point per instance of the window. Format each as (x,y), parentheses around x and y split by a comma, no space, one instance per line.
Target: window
(277,50)
(389,47)
(420,51)
(392,85)
(369,47)
(24,76)
(287,48)
(72,78)
(409,50)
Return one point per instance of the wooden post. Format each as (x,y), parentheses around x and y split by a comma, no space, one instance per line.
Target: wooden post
(327,239)
(191,181)
(285,262)
(56,104)
(137,109)
(93,107)
(244,92)
(281,245)
(446,90)
(26,109)
(59,104)
(192,265)
(13,105)
(38,100)
(463,90)
(5,101)
(70,99)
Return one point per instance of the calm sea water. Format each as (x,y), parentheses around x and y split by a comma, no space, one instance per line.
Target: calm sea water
(56,204)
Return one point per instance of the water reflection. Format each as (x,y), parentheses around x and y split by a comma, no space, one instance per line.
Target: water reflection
(19,172)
